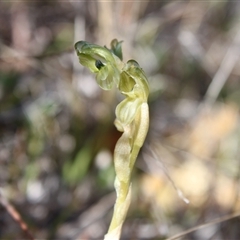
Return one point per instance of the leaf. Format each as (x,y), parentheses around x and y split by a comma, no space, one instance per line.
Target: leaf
(73,172)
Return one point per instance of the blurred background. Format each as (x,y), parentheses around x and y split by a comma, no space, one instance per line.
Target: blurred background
(56,125)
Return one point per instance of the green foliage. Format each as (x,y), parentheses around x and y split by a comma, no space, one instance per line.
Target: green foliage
(74,171)
(8,81)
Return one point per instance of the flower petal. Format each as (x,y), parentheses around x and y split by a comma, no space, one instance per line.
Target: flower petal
(126,110)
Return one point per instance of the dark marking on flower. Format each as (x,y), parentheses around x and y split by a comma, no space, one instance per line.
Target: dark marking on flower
(99,64)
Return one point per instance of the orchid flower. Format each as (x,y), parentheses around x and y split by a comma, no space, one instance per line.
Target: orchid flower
(132,116)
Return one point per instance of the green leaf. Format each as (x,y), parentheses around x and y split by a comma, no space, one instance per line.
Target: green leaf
(74,171)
